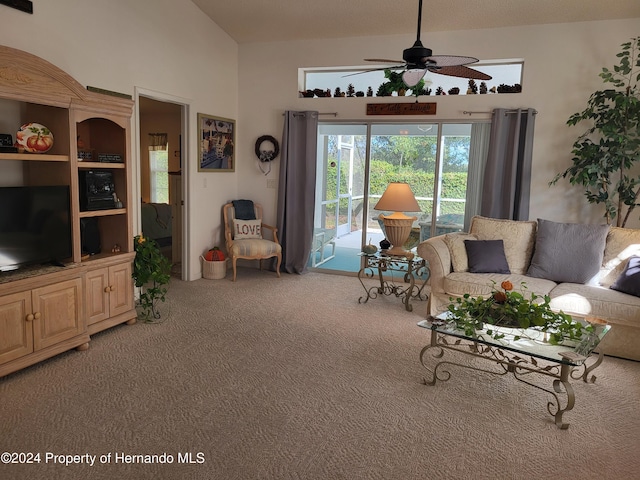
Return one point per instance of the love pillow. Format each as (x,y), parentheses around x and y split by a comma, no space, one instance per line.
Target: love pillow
(244,229)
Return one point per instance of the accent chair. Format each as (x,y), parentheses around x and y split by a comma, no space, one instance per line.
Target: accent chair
(244,239)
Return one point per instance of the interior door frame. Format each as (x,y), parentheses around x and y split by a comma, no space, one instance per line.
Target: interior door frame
(185,109)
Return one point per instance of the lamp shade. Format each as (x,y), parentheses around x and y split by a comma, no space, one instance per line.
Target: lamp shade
(398,197)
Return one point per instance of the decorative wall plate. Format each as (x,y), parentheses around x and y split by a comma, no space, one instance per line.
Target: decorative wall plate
(34,138)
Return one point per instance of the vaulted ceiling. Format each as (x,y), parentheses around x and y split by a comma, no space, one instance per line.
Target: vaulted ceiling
(285,20)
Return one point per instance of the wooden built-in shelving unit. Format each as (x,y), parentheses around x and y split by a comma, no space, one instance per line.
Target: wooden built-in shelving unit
(52,309)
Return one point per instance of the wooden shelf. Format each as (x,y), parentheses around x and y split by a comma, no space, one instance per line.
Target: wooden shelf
(82,164)
(103,256)
(102,213)
(40,157)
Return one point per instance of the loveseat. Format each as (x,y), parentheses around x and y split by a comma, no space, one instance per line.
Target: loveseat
(576,265)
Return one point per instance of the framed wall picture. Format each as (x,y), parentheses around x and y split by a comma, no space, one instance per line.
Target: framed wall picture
(217,144)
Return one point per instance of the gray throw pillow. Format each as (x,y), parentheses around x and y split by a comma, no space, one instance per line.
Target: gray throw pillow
(568,252)
(629,279)
(486,256)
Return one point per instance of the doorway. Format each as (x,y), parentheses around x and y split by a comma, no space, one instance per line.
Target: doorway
(161,121)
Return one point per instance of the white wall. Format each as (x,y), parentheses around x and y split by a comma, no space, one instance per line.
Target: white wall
(169,46)
(562,63)
(166,46)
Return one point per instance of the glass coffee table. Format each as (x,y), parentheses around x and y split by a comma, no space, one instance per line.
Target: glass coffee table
(527,358)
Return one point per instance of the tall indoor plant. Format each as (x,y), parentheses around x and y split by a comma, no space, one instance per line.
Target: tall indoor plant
(607,156)
(151,273)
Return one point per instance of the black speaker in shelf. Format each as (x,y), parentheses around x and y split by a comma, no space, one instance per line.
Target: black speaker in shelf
(96,190)
(90,236)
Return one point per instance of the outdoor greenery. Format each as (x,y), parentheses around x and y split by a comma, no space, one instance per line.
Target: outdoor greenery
(511,309)
(607,156)
(402,158)
(417,152)
(151,272)
(454,184)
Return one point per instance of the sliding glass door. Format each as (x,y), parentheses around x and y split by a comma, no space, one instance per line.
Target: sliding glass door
(357,162)
(450,181)
(340,194)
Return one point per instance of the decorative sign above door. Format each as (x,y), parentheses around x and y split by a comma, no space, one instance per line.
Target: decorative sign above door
(428,108)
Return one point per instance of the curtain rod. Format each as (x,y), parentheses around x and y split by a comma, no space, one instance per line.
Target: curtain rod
(466,112)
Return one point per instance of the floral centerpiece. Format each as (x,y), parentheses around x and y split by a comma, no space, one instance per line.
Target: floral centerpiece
(508,308)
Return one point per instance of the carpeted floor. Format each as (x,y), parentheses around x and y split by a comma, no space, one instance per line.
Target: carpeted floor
(291,378)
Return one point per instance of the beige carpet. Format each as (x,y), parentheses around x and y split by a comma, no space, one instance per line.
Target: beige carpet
(293,379)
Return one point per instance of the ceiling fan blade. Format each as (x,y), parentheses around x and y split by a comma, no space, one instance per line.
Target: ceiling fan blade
(460,71)
(382,60)
(449,60)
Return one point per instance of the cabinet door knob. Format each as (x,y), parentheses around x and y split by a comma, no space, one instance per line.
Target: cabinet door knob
(30,317)
(36,315)
(107,289)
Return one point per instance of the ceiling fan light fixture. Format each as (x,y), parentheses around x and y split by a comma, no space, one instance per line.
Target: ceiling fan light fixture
(413,76)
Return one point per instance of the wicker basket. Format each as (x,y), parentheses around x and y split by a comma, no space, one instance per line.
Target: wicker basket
(214,270)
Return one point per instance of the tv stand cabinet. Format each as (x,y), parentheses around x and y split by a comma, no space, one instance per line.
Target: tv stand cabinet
(109,295)
(42,316)
(50,309)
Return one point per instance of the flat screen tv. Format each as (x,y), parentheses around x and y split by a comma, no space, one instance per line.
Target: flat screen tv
(35,226)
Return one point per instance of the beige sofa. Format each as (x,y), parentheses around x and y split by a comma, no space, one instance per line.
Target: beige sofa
(450,277)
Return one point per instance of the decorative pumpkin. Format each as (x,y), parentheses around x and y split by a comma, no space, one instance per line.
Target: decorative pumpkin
(214,255)
(369,249)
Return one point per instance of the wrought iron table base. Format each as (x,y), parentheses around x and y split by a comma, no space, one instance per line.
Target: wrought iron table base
(409,270)
(510,362)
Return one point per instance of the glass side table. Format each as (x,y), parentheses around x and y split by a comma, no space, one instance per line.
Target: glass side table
(402,276)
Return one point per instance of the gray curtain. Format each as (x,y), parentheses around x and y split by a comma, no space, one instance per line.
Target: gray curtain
(296,190)
(507,176)
(478,149)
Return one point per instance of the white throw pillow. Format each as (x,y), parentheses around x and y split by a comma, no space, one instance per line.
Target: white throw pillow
(247,229)
(622,244)
(457,250)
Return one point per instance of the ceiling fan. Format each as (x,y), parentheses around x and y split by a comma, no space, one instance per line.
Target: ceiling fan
(418,60)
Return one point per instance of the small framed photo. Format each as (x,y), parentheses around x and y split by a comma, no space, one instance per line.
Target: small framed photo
(217,144)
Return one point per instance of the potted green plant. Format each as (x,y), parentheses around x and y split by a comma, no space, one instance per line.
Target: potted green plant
(606,156)
(510,309)
(151,273)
